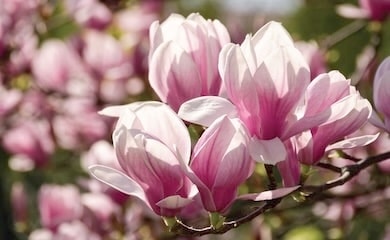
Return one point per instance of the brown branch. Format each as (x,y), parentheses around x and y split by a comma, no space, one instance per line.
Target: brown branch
(343,33)
(329,167)
(184,230)
(346,173)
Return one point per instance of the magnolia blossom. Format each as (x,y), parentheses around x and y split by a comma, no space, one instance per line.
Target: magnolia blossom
(308,147)
(220,163)
(382,95)
(314,56)
(57,66)
(148,140)
(59,204)
(266,78)
(153,148)
(183,58)
(373,9)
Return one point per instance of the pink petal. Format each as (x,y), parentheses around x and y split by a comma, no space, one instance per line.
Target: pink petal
(351,11)
(161,121)
(269,195)
(267,151)
(118,180)
(205,110)
(203,189)
(174,202)
(173,75)
(353,142)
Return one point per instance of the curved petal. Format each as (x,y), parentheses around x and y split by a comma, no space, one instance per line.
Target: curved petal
(269,195)
(173,75)
(118,180)
(203,189)
(160,121)
(353,142)
(174,202)
(267,151)
(205,110)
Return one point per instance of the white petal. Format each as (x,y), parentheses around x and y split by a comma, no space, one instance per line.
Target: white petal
(353,142)
(269,195)
(267,151)
(174,202)
(118,180)
(205,110)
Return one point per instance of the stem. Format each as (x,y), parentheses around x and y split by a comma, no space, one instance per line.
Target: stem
(343,33)
(329,167)
(347,173)
(272,182)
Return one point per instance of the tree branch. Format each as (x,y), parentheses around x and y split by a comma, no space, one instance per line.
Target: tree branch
(346,173)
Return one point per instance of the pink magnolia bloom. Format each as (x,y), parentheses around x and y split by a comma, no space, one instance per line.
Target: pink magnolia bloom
(374,9)
(314,56)
(220,163)
(109,64)
(30,141)
(382,95)
(89,13)
(78,125)
(59,204)
(326,91)
(103,153)
(58,67)
(183,58)
(265,78)
(148,139)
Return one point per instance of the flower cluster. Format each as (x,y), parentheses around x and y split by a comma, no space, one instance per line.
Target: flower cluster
(257,103)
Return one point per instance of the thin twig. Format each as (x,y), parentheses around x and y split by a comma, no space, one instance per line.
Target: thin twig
(272,182)
(329,167)
(346,173)
(343,33)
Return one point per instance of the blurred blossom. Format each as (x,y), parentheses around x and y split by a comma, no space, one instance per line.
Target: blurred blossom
(102,152)
(102,209)
(109,64)
(314,56)
(59,204)
(381,95)
(78,125)
(377,10)
(19,201)
(58,67)
(8,100)
(340,211)
(31,139)
(183,58)
(75,230)
(89,13)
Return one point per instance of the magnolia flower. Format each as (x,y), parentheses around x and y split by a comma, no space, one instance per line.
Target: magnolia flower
(373,9)
(265,78)
(59,204)
(308,147)
(220,163)
(57,66)
(183,58)
(314,56)
(148,139)
(382,95)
